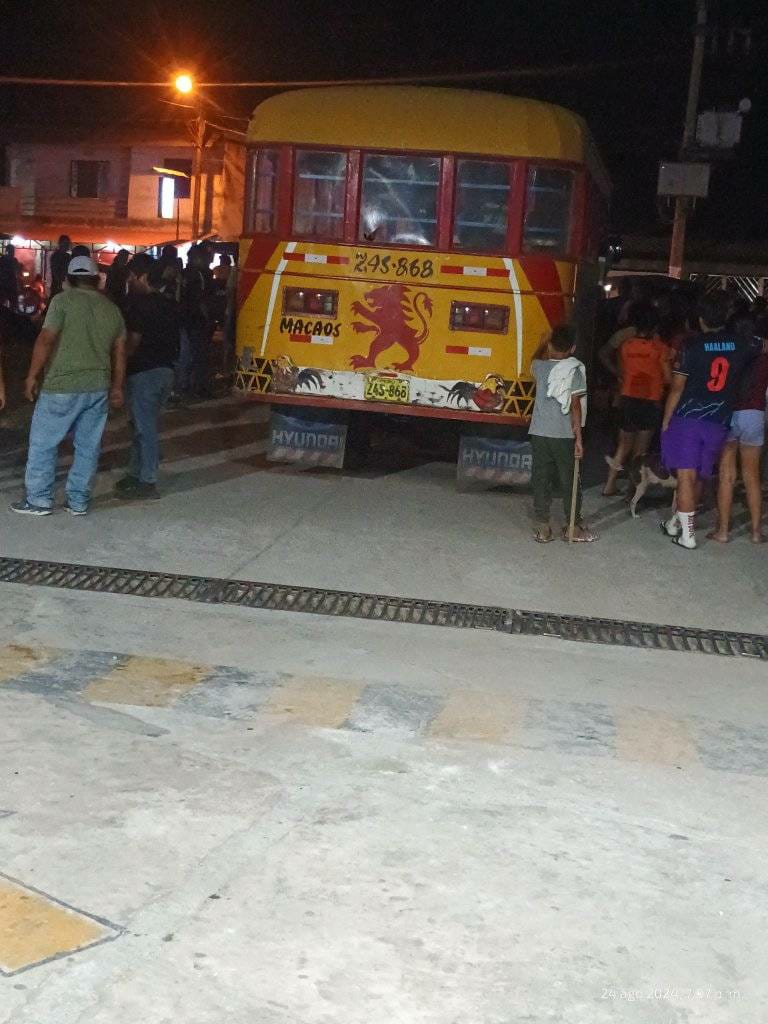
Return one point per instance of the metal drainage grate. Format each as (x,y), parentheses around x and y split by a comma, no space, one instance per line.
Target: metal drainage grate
(381,608)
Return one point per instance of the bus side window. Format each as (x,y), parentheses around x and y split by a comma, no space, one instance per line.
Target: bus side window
(318,194)
(262,191)
(548,210)
(482,204)
(399,201)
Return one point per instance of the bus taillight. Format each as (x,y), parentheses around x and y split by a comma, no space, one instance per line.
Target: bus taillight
(476,316)
(310,300)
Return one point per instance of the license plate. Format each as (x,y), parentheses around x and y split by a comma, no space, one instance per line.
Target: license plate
(387,389)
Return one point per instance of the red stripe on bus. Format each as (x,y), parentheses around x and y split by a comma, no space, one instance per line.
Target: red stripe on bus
(451,270)
(260,253)
(338,259)
(546,284)
(497,272)
(305,338)
(457,350)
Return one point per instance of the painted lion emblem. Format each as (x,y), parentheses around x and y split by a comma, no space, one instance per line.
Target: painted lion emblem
(396,317)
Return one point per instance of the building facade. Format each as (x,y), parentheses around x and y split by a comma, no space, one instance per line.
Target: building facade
(105,188)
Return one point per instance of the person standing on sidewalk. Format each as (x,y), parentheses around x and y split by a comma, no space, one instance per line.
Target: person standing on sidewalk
(197,325)
(705,390)
(744,445)
(81,352)
(556,432)
(153,348)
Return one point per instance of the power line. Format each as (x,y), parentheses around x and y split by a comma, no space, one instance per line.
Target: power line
(465,76)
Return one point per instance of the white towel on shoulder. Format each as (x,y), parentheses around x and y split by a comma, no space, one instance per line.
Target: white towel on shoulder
(560,384)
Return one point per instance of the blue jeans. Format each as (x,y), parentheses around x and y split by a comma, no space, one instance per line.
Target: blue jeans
(55,415)
(147,393)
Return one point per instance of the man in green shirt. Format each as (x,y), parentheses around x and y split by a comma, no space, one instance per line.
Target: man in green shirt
(81,348)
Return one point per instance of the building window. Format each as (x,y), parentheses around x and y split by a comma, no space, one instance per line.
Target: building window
(262,191)
(482,205)
(319,193)
(547,224)
(183,185)
(89,179)
(172,187)
(399,200)
(166,200)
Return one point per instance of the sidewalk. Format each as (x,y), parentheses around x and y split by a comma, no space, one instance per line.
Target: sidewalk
(408,532)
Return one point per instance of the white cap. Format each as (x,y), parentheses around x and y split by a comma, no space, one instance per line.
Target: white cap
(83,266)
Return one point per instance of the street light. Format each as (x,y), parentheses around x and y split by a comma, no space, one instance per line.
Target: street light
(185,85)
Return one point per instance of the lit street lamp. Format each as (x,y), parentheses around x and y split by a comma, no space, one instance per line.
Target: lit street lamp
(184,84)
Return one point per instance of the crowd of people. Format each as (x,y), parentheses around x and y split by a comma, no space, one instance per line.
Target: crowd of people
(142,339)
(691,378)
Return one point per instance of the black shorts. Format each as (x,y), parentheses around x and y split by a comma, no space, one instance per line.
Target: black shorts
(638,414)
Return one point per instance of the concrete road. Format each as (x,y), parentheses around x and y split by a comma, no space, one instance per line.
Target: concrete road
(214,815)
(398,527)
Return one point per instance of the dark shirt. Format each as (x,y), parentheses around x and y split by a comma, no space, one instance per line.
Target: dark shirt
(156,318)
(194,297)
(9,275)
(714,364)
(115,286)
(59,262)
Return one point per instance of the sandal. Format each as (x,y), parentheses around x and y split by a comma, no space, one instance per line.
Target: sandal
(587,536)
(544,535)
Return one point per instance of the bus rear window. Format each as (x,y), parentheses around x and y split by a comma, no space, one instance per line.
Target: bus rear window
(399,200)
(548,210)
(319,192)
(482,201)
(262,190)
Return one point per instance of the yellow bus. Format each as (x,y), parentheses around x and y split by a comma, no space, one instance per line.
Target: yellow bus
(405,249)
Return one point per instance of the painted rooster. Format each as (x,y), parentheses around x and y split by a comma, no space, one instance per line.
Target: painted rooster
(488,396)
(287,377)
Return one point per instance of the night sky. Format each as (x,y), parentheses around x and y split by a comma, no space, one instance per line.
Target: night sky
(635,110)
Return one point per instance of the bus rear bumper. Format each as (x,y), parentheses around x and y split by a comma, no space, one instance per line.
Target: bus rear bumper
(387,408)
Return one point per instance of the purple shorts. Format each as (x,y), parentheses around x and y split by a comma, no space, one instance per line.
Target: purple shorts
(693,444)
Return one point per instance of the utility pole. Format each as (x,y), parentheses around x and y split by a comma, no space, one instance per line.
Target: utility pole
(197,173)
(677,245)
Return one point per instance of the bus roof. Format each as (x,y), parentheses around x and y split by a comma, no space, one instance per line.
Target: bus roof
(431,119)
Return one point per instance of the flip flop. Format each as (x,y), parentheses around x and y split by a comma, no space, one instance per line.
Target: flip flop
(587,538)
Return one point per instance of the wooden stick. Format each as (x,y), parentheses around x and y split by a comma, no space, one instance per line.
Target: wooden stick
(574,491)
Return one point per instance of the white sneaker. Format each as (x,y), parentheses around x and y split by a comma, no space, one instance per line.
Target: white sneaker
(683,543)
(671,527)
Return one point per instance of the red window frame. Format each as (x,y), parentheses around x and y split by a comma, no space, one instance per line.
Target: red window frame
(442,158)
(512,165)
(571,251)
(322,239)
(579,233)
